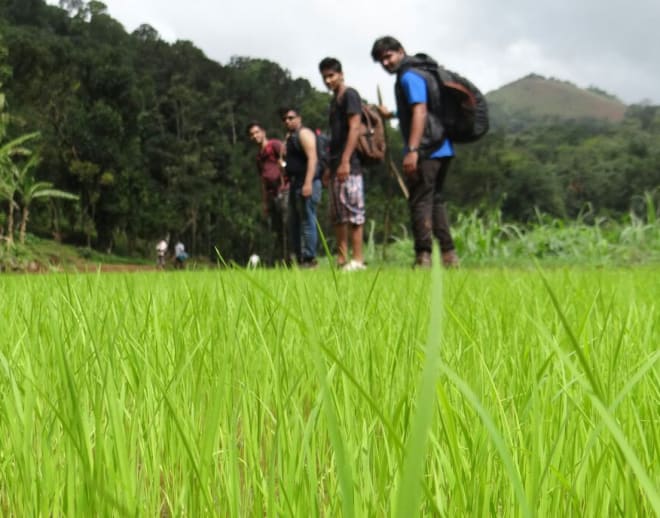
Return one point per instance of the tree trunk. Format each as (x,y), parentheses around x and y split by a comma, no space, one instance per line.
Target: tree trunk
(55,222)
(194,216)
(10,223)
(25,214)
(233,125)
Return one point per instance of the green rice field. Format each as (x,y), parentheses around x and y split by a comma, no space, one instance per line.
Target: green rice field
(391,392)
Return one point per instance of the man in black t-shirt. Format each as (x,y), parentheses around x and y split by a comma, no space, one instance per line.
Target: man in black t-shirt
(305,178)
(345,181)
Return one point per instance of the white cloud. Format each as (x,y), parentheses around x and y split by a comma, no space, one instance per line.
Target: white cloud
(611,46)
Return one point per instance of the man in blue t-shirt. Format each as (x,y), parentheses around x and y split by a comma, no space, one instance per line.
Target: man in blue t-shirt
(427,154)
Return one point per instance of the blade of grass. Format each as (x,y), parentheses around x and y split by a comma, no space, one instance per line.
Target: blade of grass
(414,461)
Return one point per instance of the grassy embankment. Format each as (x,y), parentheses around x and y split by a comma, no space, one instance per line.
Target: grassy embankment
(482,239)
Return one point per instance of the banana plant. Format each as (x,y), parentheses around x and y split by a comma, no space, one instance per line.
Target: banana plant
(9,176)
(30,189)
(17,180)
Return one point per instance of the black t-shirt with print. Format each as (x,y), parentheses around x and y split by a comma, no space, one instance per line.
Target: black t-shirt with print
(350,103)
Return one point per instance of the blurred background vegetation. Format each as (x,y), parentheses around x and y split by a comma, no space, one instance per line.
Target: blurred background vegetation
(143,138)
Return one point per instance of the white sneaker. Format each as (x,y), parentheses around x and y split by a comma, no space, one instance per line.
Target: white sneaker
(353,266)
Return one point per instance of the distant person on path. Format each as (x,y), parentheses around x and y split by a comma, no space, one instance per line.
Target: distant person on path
(345,175)
(304,172)
(180,255)
(274,190)
(427,154)
(161,251)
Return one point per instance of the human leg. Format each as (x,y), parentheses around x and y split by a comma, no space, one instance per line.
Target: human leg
(441,227)
(295,201)
(274,230)
(420,204)
(309,223)
(442,232)
(353,201)
(341,236)
(281,225)
(339,218)
(356,242)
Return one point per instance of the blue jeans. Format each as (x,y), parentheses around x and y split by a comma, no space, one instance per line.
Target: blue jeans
(302,221)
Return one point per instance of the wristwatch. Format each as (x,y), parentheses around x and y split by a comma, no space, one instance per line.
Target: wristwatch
(413,150)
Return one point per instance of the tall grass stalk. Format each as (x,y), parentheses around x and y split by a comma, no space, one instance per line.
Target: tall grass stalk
(410,489)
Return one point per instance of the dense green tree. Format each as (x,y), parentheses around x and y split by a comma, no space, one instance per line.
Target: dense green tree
(151,136)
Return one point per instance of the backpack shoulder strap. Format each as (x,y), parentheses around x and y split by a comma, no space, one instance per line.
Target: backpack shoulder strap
(418,61)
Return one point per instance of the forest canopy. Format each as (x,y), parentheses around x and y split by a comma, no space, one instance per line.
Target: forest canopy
(150,138)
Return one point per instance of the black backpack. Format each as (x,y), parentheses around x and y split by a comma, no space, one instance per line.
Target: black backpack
(463,110)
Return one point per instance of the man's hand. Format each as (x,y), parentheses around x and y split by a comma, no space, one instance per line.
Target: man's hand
(385,113)
(410,163)
(307,189)
(343,171)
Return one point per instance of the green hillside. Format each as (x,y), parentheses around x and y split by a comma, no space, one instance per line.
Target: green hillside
(534,97)
(150,138)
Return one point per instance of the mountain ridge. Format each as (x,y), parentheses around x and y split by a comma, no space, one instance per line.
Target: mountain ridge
(535,96)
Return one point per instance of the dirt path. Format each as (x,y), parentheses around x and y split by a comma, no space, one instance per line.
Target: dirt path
(109,268)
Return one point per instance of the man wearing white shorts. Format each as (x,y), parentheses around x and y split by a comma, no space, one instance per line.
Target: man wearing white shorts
(346,186)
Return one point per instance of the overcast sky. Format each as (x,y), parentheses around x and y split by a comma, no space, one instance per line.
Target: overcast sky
(611,44)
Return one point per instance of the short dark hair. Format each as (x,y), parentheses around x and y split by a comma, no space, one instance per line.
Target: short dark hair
(251,125)
(330,64)
(384,44)
(286,109)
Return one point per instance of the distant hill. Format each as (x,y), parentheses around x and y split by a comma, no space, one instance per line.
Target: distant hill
(535,97)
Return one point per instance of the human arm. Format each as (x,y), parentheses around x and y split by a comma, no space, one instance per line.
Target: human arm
(344,168)
(386,113)
(308,144)
(416,94)
(417,123)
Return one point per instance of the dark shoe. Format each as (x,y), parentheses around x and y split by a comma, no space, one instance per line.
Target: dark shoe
(450,259)
(423,260)
(309,264)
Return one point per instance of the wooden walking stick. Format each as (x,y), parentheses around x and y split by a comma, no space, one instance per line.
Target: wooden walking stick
(391,167)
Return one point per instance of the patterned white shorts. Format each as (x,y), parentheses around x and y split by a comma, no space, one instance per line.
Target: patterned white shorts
(347,200)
